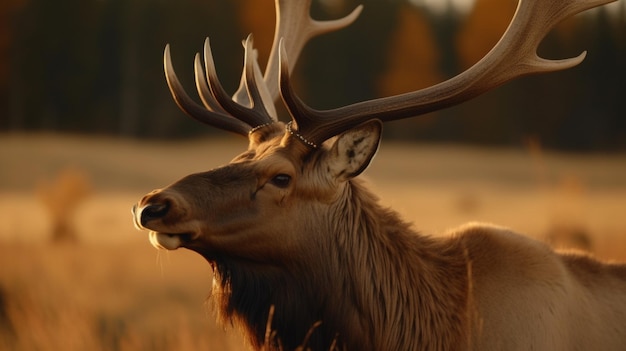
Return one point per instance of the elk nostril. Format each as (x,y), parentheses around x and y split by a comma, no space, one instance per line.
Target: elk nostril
(153,211)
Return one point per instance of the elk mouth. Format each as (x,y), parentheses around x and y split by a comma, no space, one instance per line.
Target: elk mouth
(144,218)
(169,241)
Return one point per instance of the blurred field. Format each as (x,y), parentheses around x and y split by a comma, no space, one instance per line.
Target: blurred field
(110,290)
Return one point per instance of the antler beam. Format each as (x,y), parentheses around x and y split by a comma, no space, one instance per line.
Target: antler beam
(515,55)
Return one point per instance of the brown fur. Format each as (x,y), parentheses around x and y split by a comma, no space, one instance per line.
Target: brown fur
(322,249)
(286,225)
(372,264)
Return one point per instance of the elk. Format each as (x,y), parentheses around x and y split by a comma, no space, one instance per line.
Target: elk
(288,225)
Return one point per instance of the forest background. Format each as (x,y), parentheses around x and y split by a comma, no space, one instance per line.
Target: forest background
(95,67)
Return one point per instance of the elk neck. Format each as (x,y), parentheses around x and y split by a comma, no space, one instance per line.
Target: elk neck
(340,281)
(382,294)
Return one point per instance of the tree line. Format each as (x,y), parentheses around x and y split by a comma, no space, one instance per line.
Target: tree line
(95,66)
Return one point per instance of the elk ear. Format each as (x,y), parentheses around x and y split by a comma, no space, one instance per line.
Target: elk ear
(353,150)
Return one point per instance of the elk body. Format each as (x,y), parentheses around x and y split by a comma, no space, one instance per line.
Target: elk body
(288,224)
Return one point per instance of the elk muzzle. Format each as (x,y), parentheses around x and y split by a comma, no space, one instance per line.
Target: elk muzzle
(161,214)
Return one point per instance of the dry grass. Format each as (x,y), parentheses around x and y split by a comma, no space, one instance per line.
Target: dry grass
(112,291)
(104,297)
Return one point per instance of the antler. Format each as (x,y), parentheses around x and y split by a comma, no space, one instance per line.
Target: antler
(296,27)
(252,105)
(515,55)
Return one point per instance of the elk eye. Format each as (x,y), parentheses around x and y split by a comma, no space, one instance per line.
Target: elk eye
(281,180)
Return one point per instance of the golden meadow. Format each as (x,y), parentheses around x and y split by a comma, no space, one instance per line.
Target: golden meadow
(76,275)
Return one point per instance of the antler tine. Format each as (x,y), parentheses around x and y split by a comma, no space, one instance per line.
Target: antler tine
(515,55)
(296,27)
(203,88)
(256,87)
(253,102)
(254,115)
(212,117)
(252,73)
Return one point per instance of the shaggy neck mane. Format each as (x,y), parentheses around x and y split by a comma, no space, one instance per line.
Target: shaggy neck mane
(362,283)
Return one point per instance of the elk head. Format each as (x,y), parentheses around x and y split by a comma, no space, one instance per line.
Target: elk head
(261,192)
(275,210)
